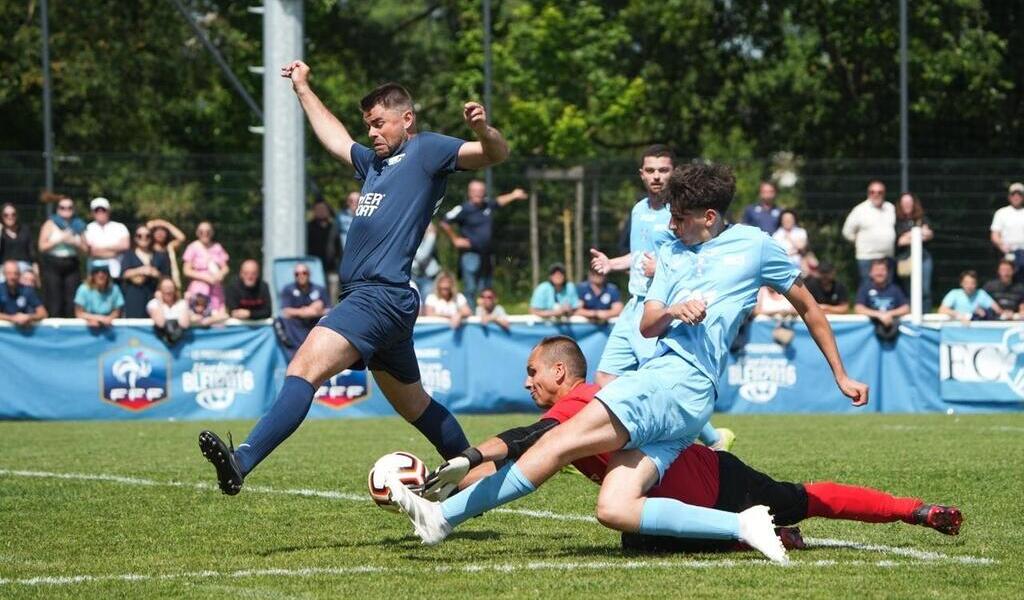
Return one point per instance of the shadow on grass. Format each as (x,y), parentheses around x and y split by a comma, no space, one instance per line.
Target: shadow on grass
(404,542)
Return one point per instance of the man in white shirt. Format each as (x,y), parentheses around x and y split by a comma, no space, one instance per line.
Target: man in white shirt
(107,239)
(871,226)
(1008,229)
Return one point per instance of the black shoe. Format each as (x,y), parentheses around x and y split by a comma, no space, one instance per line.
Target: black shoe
(229,475)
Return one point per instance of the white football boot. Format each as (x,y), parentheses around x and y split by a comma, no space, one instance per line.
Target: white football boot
(427,520)
(757,530)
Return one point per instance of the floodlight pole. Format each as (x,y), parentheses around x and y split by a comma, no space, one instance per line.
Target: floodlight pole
(47,95)
(284,152)
(488,173)
(904,130)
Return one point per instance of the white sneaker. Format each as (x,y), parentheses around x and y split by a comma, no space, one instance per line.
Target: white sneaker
(427,520)
(757,529)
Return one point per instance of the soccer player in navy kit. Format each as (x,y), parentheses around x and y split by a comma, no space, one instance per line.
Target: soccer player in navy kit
(404,177)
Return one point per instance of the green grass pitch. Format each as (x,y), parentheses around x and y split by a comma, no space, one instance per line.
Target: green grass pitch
(126,510)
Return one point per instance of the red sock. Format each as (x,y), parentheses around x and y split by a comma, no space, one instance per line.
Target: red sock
(838,501)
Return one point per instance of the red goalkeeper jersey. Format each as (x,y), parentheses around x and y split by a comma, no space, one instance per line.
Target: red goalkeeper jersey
(692,478)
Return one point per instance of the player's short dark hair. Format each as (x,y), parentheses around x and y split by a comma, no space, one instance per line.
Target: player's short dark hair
(700,186)
(658,151)
(391,96)
(968,273)
(1006,261)
(881,261)
(564,349)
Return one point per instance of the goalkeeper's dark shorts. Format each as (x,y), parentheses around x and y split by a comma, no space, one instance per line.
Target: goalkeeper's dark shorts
(739,487)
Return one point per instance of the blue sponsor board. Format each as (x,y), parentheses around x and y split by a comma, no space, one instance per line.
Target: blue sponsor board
(982,364)
(66,371)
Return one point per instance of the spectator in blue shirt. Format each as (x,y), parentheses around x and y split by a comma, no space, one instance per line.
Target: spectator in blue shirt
(98,300)
(475,220)
(599,299)
(19,304)
(968,303)
(553,298)
(764,213)
(302,304)
(882,300)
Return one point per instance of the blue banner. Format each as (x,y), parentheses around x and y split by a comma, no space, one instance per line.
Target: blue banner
(766,377)
(982,364)
(125,372)
(63,370)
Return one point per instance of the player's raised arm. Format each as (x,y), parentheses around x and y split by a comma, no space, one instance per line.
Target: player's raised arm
(821,331)
(328,129)
(490,147)
(600,262)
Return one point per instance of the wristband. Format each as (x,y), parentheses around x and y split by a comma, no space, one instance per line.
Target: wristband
(474,457)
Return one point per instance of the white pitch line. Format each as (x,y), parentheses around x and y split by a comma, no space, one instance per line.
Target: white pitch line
(921,555)
(307,493)
(470,568)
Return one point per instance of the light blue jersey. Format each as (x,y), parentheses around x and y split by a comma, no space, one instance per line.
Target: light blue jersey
(648,231)
(726,272)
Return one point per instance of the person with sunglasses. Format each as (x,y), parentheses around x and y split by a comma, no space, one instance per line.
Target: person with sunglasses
(871,226)
(16,240)
(302,304)
(142,270)
(107,238)
(61,242)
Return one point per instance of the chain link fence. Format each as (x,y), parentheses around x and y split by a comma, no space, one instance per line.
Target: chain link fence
(959,197)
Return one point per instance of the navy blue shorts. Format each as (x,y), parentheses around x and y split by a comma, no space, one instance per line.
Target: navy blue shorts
(378,320)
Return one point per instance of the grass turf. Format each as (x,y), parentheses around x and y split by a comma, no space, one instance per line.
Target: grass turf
(269,545)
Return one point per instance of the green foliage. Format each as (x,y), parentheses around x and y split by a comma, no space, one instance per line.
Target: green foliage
(589,82)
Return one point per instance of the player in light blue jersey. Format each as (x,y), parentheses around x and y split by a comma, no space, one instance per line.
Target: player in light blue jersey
(705,285)
(649,220)
(649,230)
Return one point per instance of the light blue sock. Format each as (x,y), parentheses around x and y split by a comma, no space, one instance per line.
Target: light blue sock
(709,435)
(503,487)
(664,516)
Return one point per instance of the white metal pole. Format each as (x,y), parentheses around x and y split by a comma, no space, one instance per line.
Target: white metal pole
(284,152)
(915,275)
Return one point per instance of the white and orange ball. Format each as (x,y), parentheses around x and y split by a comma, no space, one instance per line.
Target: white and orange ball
(410,470)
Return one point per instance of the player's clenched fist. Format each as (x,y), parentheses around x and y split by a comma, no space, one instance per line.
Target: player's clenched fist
(475,115)
(599,262)
(856,391)
(298,72)
(690,312)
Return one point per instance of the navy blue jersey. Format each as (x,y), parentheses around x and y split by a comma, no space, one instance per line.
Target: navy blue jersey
(476,223)
(293,297)
(23,300)
(400,194)
(888,297)
(602,300)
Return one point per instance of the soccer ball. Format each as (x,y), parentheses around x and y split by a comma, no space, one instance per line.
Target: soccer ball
(410,469)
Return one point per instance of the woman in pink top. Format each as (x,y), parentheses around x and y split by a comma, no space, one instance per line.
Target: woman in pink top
(206,265)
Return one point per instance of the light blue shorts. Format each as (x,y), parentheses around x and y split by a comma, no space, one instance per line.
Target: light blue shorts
(663,405)
(626,348)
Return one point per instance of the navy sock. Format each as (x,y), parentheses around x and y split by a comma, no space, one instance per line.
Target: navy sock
(284,417)
(444,432)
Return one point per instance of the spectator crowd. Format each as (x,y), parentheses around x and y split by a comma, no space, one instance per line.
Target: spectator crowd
(139,273)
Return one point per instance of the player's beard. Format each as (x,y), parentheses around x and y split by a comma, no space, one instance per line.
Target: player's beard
(392,148)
